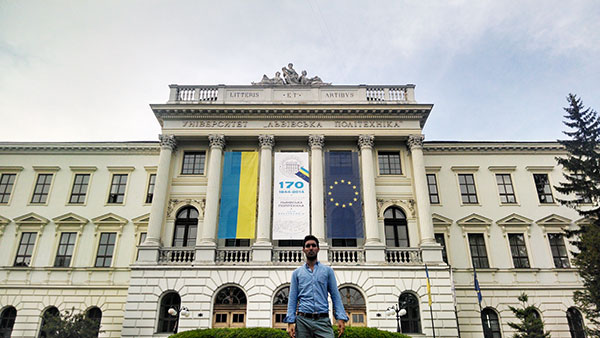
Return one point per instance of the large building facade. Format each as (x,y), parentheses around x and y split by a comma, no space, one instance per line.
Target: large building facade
(127,231)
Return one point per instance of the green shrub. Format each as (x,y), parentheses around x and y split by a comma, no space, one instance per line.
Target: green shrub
(261,332)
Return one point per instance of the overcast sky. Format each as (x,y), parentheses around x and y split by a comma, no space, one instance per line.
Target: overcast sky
(494,70)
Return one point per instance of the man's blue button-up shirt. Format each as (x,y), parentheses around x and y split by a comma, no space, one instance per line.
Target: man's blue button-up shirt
(309,291)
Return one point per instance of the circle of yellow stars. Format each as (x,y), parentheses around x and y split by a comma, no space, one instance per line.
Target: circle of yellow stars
(340,183)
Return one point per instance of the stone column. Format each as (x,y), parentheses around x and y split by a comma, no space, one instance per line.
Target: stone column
(428,244)
(317,208)
(374,249)
(149,250)
(262,248)
(206,243)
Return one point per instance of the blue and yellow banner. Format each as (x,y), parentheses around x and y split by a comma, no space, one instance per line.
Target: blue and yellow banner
(428,285)
(237,216)
(343,200)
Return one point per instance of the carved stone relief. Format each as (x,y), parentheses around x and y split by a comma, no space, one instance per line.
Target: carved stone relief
(290,78)
(173,202)
(316,141)
(216,140)
(266,140)
(168,141)
(366,141)
(408,205)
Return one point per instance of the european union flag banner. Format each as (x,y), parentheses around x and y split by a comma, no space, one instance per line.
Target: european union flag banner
(237,216)
(343,202)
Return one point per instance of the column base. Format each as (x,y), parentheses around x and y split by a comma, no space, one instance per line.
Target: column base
(148,254)
(205,252)
(262,252)
(323,256)
(432,253)
(374,252)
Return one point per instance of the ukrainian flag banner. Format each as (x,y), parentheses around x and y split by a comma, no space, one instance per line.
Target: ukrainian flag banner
(343,200)
(237,215)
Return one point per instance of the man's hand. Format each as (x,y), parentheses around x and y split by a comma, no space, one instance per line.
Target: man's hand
(291,330)
(341,327)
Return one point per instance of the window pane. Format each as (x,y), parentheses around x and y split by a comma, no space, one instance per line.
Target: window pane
(117,189)
(193,163)
(518,250)
(25,249)
(6,183)
(478,251)
(542,185)
(467,188)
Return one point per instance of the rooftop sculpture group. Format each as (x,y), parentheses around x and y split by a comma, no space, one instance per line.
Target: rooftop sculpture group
(290,77)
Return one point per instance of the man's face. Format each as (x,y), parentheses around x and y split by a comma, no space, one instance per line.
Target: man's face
(310,249)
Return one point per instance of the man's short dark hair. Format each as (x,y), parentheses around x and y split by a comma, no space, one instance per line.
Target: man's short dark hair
(310,238)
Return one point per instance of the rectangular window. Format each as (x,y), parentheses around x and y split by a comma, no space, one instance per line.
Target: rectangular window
(542,185)
(467,188)
(441,239)
(106,248)
(505,188)
(65,249)
(42,188)
(193,163)
(290,243)
(150,192)
(117,189)
(6,184)
(79,190)
(25,249)
(478,252)
(434,196)
(344,242)
(518,250)
(142,240)
(559,251)
(584,199)
(389,163)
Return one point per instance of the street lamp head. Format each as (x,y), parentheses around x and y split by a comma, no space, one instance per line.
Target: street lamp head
(390,312)
(402,312)
(172,312)
(185,312)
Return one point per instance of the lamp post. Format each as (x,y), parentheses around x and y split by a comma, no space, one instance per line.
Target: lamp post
(395,309)
(178,312)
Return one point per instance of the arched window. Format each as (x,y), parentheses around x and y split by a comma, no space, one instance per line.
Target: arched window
(354,304)
(396,228)
(575,323)
(491,324)
(411,321)
(166,321)
(230,308)
(280,307)
(7,321)
(50,312)
(186,226)
(95,314)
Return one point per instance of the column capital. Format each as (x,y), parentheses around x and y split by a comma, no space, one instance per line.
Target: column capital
(415,141)
(167,141)
(266,141)
(316,141)
(366,141)
(216,141)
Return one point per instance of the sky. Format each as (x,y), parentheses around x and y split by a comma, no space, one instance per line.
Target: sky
(494,70)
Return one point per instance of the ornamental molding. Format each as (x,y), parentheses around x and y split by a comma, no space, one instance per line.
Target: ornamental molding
(415,142)
(266,141)
(551,147)
(108,222)
(407,205)
(145,148)
(475,222)
(178,203)
(515,223)
(316,141)
(553,223)
(3,223)
(30,221)
(141,222)
(366,141)
(167,141)
(216,141)
(69,221)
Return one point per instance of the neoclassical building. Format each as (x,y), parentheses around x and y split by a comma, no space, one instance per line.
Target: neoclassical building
(207,222)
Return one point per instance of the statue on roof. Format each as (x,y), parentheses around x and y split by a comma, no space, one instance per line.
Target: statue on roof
(290,78)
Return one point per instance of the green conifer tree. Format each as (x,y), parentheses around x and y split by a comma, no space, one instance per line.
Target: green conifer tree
(582,185)
(531,326)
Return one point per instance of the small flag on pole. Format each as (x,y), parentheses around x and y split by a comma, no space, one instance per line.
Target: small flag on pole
(428,285)
(477,288)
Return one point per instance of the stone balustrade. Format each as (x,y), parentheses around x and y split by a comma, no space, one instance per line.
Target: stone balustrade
(176,256)
(233,256)
(287,256)
(346,256)
(404,256)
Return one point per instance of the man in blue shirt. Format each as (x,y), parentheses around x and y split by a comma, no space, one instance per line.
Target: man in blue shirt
(310,285)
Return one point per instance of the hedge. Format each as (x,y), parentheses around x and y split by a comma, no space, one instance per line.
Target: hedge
(261,332)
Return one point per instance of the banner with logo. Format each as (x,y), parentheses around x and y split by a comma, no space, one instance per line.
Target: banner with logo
(291,196)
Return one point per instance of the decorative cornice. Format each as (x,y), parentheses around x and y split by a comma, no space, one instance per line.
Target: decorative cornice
(142,148)
(316,141)
(366,141)
(266,141)
(216,141)
(167,142)
(415,142)
(500,147)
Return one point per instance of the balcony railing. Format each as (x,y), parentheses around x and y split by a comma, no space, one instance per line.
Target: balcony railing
(404,256)
(204,94)
(176,256)
(233,256)
(287,256)
(346,256)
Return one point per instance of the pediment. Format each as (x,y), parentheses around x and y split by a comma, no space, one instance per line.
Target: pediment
(514,219)
(31,218)
(555,220)
(584,220)
(70,218)
(4,220)
(474,220)
(109,219)
(140,220)
(441,220)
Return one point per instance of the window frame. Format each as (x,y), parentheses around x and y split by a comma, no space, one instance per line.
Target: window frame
(492,310)
(525,245)
(56,256)
(487,254)
(396,227)
(68,222)
(552,194)
(141,227)
(437,188)
(33,247)
(30,222)
(107,223)
(202,168)
(80,170)
(6,319)
(149,174)
(466,170)
(11,170)
(43,170)
(512,185)
(401,162)
(442,234)
(114,249)
(416,320)
(567,256)
(118,170)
